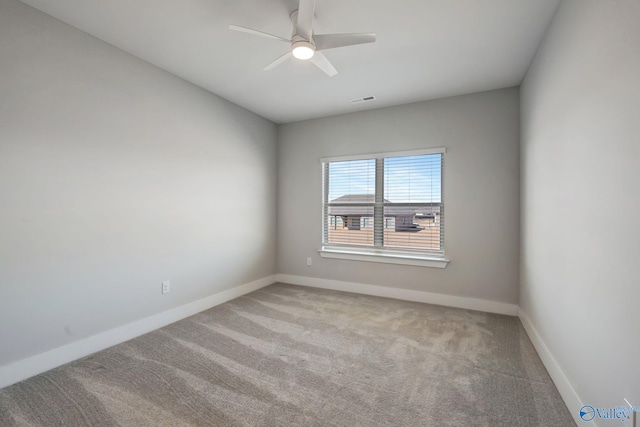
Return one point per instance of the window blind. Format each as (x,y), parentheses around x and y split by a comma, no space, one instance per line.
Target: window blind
(389,201)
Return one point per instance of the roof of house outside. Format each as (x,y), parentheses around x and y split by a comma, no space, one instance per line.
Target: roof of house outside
(356,198)
(367,211)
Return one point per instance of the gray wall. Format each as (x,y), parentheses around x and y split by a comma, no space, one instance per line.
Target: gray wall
(115,176)
(481,181)
(580,197)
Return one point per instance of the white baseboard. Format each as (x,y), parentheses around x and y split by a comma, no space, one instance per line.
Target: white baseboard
(403,294)
(568,393)
(34,365)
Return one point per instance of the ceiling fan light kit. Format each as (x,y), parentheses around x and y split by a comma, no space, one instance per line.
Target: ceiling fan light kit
(303,50)
(305,45)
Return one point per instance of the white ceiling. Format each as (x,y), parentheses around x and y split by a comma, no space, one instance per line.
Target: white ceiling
(425,49)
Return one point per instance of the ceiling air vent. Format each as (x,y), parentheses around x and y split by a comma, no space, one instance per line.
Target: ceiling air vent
(365,99)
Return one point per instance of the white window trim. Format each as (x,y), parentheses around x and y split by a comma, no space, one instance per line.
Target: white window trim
(377,255)
(383,256)
(438,150)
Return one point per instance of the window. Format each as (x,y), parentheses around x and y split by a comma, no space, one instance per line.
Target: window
(391,204)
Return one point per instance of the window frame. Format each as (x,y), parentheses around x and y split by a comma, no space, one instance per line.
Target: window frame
(377,252)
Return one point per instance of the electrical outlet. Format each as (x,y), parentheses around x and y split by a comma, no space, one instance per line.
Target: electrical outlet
(309,261)
(166,287)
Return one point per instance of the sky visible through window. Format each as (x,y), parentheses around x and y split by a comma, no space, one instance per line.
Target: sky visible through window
(410,179)
(352,177)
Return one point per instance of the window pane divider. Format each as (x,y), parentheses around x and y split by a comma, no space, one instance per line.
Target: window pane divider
(378,209)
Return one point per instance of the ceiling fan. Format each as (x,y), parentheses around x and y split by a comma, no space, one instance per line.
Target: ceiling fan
(305,45)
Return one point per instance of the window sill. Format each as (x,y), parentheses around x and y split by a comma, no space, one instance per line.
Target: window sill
(383,257)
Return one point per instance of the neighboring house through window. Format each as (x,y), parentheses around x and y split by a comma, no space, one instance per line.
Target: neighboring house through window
(387,205)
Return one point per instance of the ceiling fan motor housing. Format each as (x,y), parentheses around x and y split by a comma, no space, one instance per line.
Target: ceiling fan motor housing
(301,48)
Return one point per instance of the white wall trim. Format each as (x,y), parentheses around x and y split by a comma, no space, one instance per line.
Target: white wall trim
(385,258)
(418,152)
(402,294)
(34,365)
(568,393)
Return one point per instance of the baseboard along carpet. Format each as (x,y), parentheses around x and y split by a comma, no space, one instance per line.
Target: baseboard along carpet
(296,356)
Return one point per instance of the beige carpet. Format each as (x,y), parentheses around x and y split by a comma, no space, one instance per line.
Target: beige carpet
(294,356)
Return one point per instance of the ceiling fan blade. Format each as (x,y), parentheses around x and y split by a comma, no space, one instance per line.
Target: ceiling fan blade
(306,11)
(278,61)
(331,41)
(321,61)
(257,33)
